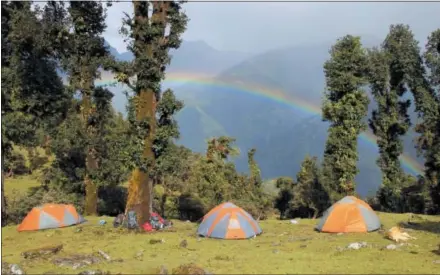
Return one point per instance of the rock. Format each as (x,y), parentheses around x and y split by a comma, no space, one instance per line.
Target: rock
(293,221)
(139,255)
(76,261)
(16,270)
(162,270)
(5,268)
(184,244)
(42,252)
(155,241)
(104,255)
(357,246)
(391,247)
(189,269)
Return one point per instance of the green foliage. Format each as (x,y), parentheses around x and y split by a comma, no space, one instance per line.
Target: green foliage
(432,141)
(69,147)
(16,164)
(309,192)
(146,34)
(390,120)
(32,92)
(285,195)
(413,195)
(36,159)
(307,197)
(255,172)
(345,107)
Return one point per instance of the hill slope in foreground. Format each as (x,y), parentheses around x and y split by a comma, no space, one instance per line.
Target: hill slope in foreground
(282,248)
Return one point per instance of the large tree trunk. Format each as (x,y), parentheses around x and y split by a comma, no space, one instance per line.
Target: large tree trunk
(140,190)
(91,199)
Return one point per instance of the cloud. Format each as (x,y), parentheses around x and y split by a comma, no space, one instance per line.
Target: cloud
(257,27)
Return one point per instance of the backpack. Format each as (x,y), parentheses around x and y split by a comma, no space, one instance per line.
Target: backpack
(118,220)
(131,220)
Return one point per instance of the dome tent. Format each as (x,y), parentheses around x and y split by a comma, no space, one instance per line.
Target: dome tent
(228,221)
(50,216)
(349,214)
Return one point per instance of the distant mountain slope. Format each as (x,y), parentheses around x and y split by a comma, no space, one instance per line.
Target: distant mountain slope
(282,134)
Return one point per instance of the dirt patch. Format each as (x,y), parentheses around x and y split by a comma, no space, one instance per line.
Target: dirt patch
(76,261)
(42,252)
(190,269)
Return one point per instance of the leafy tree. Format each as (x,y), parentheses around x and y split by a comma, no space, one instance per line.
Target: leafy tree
(86,54)
(69,145)
(151,36)
(345,107)
(32,92)
(170,159)
(285,195)
(432,164)
(390,120)
(219,149)
(255,172)
(407,65)
(310,194)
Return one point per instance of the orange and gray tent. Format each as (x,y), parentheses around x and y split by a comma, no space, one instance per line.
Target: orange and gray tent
(228,221)
(50,216)
(349,214)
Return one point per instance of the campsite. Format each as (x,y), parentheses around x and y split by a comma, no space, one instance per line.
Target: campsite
(145,137)
(282,247)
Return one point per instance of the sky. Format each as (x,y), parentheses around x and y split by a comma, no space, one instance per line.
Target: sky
(255,27)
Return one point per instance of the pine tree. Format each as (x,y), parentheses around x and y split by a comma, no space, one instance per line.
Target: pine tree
(86,54)
(390,120)
(345,107)
(152,36)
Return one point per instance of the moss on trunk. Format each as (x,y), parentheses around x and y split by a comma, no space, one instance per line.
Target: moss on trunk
(91,199)
(140,190)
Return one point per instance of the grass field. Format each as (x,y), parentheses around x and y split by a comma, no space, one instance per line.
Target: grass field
(282,248)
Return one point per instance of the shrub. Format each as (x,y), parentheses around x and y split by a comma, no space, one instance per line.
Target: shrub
(191,207)
(112,200)
(16,163)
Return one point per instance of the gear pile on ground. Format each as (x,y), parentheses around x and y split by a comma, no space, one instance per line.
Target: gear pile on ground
(156,222)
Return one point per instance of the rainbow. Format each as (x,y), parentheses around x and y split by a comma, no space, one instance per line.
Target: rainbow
(272,94)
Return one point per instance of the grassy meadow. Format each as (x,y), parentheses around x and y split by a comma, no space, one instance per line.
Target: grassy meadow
(282,248)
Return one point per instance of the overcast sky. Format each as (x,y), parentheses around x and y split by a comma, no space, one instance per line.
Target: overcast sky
(257,27)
